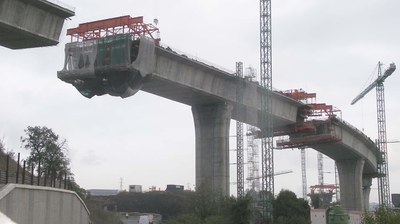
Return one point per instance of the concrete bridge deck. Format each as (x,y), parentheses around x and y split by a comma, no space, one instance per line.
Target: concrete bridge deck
(211,93)
(356,156)
(27,23)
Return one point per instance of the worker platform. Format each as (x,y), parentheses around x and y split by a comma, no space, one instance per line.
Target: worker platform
(101,57)
(32,23)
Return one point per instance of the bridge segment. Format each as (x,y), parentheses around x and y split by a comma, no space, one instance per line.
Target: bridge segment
(211,92)
(27,23)
(356,155)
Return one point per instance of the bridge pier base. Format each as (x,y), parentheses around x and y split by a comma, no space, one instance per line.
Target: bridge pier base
(212,123)
(367,182)
(351,184)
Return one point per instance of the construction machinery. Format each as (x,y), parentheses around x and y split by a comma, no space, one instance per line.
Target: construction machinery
(383,179)
(99,58)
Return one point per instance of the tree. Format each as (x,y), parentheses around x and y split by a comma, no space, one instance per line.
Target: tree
(290,209)
(2,147)
(6,151)
(47,150)
(382,215)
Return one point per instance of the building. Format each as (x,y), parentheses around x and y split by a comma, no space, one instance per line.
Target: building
(135,188)
(396,200)
(174,188)
(102,192)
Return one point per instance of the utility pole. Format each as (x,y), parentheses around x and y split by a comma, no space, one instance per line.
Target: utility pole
(267,120)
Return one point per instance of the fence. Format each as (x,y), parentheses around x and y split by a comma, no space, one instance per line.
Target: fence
(20,173)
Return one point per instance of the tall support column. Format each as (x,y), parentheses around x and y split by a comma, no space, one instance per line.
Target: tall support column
(367,182)
(351,184)
(212,123)
(337,184)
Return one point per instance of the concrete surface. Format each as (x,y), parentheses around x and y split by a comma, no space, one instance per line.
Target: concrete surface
(5,220)
(212,123)
(357,162)
(26,204)
(31,23)
(212,95)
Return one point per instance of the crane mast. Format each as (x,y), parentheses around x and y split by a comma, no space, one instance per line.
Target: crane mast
(267,122)
(383,181)
(383,171)
(239,133)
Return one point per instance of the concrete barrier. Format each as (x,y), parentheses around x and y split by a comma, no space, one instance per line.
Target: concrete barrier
(25,204)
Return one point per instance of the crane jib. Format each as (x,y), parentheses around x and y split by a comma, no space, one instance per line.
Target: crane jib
(379,80)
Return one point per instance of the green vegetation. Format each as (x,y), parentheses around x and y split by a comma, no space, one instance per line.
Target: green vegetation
(290,209)
(382,216)
(205,207)
(201,207)
(47,150)
(98,215)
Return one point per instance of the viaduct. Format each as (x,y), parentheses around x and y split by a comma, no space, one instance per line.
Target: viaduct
(210,92)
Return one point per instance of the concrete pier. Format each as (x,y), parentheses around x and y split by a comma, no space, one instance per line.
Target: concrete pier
(212,124)
(351,184)
(367,183)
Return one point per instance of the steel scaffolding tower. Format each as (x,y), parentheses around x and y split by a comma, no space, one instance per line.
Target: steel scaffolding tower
(239,132)
(252,159)
(267,127)
(304,172)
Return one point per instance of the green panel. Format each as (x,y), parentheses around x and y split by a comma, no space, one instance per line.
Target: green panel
(113,51)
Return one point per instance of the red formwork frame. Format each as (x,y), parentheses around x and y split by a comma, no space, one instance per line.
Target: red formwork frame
(319,109)
(114,26)
(301,95)
(313,109)
(316,109)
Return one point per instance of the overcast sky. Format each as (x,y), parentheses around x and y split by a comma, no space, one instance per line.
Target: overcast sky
(327,47)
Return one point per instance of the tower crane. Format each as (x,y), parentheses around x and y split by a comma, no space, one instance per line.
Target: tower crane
(267,153)
(383,179)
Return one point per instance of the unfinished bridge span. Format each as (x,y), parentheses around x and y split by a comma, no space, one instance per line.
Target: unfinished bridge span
(124,63)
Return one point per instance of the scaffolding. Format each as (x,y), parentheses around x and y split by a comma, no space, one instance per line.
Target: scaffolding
(310,132)
(253,158)
(134,26)
(267,147)
(239,131)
